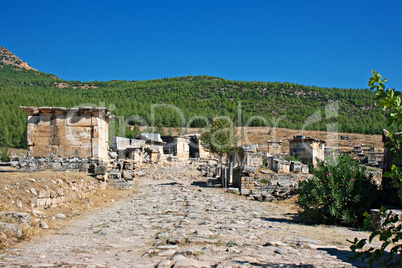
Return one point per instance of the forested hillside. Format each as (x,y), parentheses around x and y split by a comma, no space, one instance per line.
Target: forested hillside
(194,95)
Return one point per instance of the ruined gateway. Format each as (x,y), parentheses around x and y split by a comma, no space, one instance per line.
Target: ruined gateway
(68,132)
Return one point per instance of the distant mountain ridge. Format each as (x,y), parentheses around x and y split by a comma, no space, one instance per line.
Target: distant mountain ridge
(7,57)
(191,101)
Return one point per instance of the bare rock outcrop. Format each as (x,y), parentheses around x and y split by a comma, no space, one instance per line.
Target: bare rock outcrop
(7,57)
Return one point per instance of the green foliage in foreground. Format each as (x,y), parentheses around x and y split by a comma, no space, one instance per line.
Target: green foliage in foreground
(390,232)
(339,193)
(203,96)
(5,154)
(390,100)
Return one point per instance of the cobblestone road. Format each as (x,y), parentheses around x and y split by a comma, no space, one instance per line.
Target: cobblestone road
(171,219)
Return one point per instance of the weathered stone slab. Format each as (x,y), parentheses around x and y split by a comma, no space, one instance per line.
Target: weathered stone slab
(200,240)
(187,263)
(127,175)
(11,230)
(245,191)
(100,170)
(176,240)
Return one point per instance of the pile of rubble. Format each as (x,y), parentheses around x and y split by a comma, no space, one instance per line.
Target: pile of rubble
(120,175)
(255,183)
(267,186)
(12,226)
(272,187)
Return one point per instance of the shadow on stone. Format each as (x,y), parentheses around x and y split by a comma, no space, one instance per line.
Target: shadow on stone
(276,265)
(211,183)
(344,255)
(347,256)
(170,184)
(293,219)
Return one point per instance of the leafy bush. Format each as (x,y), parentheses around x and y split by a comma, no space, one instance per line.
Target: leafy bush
(390,234)
(293,158)
(5,154)
(264,161)
(339,193)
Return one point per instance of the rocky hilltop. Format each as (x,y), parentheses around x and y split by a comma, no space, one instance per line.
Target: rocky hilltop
(7,57)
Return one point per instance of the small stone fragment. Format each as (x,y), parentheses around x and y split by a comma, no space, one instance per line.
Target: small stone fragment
(165,264)
(43,225)
(281,251)
(176,240)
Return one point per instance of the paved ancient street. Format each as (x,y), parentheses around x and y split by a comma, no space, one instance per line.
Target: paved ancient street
(172,219)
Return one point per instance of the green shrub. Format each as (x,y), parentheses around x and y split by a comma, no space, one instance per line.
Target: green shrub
(293,157)
(5,154)
(339,193)
(264,161)
(390,234)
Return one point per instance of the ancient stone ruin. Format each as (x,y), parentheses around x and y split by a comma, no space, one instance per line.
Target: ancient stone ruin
(197,149)
(126,148)
(151,147)
(147,147)
(68,132)
(259,176)
(246,156)
(275,147)
(308,149)
(176,147)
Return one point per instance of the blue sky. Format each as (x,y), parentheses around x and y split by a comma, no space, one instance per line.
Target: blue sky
(323,43)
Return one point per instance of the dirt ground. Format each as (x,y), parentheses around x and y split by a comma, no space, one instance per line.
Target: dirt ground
(16,195)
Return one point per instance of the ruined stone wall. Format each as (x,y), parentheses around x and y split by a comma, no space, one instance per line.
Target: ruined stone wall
(247,159)
(74,190)
(62,132)
(196,147)
(276,185)
(307,151)
(177,147)
(252,159)
(280,166)
(318,152)
(100,138)
(74,164)
(204,154)
(182,149)
(136,155)
(121,143)
(274,147)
